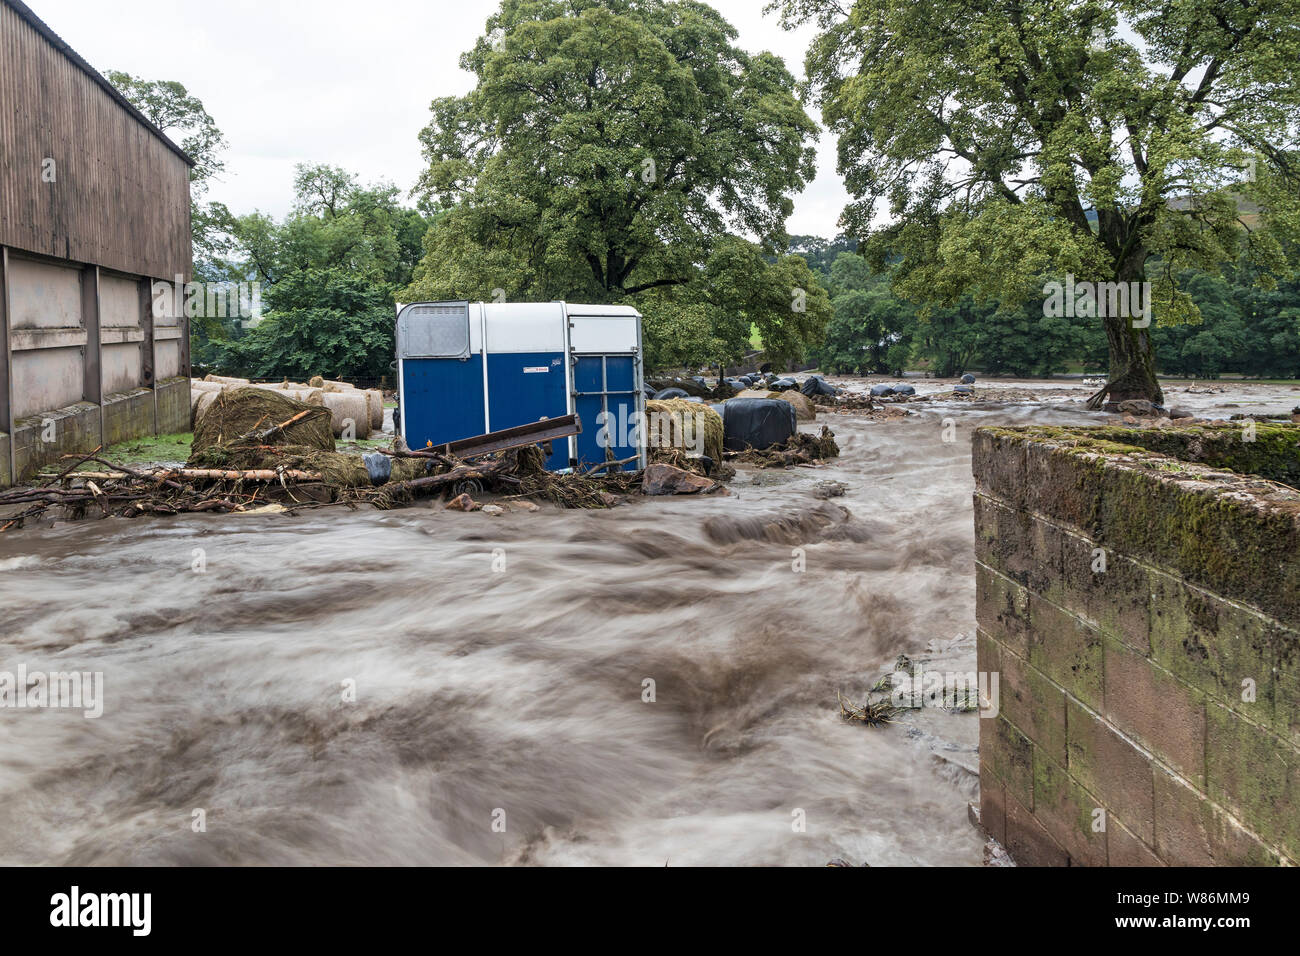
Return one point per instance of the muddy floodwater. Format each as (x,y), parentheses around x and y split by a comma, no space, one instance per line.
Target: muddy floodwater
(431,687)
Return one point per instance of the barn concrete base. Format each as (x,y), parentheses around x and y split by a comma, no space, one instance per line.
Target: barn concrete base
(78,429)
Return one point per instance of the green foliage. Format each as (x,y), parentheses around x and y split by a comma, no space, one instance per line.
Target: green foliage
(327,322)
(611,151)
(329,270)
(988,133)
(872,328)
(334,224)
(1242,329)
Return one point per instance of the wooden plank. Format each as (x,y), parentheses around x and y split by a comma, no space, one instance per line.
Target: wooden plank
(6,366)
(120,195)
(548,429)
(148,348)
(92,389)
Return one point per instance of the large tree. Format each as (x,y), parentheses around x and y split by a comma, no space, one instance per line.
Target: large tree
(1009,140)
(623,150)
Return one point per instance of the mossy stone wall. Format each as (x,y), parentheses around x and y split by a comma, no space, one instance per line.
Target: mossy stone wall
(1138,594)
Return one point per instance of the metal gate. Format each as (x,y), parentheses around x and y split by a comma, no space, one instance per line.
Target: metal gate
(606,398)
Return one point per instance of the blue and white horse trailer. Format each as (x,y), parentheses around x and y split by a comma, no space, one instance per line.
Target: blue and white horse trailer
(467,368)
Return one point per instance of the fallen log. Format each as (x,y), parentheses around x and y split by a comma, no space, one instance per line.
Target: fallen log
(609,464)
(224,474)
(253,474)
(459,473)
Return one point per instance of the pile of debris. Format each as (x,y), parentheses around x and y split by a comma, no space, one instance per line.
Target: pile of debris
(260,450)
(800,448)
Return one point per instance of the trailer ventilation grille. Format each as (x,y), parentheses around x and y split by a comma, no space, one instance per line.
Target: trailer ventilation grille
(434,330)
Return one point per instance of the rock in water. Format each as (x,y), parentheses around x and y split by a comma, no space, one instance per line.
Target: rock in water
(661,479)
(1141,408)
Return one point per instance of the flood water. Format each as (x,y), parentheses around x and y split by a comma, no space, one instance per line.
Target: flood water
(499,667)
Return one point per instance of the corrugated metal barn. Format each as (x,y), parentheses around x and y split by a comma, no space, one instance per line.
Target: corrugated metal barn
(94,209)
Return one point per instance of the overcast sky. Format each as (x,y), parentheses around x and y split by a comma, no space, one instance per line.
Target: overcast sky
(345,82)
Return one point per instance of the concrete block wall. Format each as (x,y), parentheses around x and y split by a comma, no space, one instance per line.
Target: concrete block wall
(1142,608)
(85,362)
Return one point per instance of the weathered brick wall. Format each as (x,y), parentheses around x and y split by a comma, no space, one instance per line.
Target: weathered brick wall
(1149,707)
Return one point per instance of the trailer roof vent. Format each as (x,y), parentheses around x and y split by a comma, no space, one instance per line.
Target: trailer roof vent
(434,330)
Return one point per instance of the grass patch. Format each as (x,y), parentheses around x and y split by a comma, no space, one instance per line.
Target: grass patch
(150,448)
(362,445)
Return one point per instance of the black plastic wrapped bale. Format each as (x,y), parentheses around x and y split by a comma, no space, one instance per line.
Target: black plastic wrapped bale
(667,393)
(881,391)
(816,385)
(379,466)
(904,390)
(757,423)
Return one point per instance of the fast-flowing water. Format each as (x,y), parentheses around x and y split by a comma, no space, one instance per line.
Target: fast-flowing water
(431,687)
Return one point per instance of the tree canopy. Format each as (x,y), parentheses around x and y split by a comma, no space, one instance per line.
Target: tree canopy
(992,135)
(330,269)
(624,150)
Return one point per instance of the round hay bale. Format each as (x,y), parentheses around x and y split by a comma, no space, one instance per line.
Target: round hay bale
(337,386)
(199,402)
(344,406)
(375,399)
(308,396)
(199,385)
(803,405)
(677,423)
(225,379)
(316,382)
(234,412)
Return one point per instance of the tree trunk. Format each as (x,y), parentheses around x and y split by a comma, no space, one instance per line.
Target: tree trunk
(1132,355)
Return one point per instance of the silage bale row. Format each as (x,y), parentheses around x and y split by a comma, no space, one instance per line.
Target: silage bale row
(348,405)
(364,406)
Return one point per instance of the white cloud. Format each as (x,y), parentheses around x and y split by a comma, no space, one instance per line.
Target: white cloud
(346,83)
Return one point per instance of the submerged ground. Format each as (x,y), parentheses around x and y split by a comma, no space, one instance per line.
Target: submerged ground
(499,667)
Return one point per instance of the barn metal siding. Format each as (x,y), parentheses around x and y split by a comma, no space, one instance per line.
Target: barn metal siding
(121,195)
(82,360)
